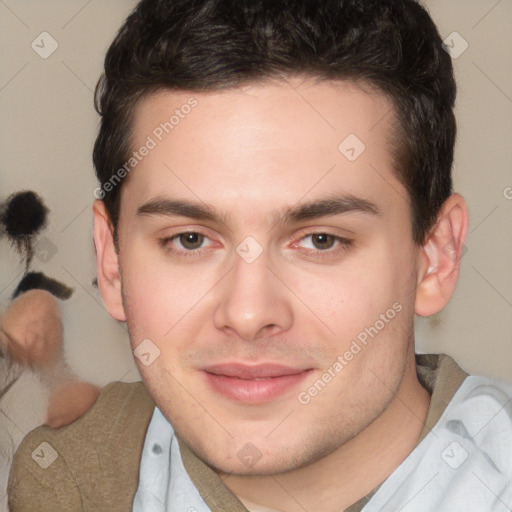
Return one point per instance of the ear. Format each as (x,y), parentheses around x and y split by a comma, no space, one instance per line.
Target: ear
(107,262)
(440,257)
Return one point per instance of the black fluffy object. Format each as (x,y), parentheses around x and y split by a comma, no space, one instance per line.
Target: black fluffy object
(39,281)
(24,215)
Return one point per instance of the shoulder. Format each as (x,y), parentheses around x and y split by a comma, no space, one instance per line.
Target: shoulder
(87,460)
(479,396)
(116,403)
(481,414)
(485,394)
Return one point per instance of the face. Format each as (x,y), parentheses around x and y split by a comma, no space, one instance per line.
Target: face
(268,267)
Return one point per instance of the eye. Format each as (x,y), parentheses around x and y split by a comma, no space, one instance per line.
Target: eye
(321,244)
(190,240)
(191,243)
(321,241)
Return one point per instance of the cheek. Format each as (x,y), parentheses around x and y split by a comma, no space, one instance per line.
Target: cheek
(361,310)
(153,290)
(162,303)
(350,296)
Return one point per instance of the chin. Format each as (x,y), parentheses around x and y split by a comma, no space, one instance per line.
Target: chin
(263,457)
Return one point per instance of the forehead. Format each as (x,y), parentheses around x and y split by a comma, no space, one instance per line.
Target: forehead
(298,108)
(279,141)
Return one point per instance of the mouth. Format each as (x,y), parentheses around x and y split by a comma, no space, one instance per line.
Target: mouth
(253,384)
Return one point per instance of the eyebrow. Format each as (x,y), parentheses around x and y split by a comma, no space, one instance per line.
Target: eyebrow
(333,204)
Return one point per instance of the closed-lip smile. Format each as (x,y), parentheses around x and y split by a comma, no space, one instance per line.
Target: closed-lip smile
(257,383)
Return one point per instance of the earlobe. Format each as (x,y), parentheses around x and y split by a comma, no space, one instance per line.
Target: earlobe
(107,263)
(440,257)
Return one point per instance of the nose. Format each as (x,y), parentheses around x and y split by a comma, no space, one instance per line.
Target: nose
(253,302)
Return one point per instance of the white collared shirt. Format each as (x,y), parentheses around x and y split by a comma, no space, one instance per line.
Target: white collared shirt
(463,464)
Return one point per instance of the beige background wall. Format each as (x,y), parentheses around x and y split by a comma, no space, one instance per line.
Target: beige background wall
(49,125)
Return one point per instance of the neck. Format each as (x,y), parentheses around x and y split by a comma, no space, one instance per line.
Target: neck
(354,469)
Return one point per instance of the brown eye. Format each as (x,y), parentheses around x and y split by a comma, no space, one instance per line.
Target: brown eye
(191,240)
(323,240)
(323,246)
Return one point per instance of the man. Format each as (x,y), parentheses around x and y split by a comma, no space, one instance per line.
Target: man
(275,206)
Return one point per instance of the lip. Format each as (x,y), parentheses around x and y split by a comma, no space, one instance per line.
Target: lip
(243,371)
(253,384)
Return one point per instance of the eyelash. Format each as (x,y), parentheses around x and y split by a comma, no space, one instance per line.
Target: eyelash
(344,242)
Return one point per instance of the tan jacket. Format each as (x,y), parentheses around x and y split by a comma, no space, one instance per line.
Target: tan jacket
(92,465)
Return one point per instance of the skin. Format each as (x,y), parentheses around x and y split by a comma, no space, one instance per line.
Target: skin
(252,152)
(31,334)
(31,329)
